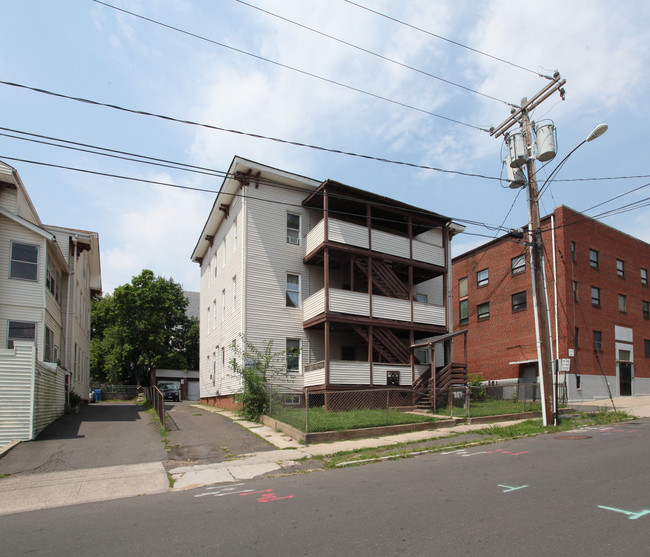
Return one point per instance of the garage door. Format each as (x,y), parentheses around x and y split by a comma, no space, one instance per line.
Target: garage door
(192,390)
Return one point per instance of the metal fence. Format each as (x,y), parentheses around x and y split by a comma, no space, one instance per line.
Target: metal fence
(115,391)
(336,410)
(485,400)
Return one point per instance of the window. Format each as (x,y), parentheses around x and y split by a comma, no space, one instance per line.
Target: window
(578,382)
(49,345)
(463,312)
(646,344)
(518,264)
(462,288)
(234,235)
(223,357)
(423,298)
(575,291)
(20,330)
(76,350)
(573,251)
(293,291)
(215,271)
(53,279)
(208,322)
(644,277)
(348,353)
(598,340)
(519,301)
(24,261)
(483,311)
(223,305)
(482,278)
(622,302)
(223,253)
(620,268)
(595,296)
(576,336)
(293,229)
(593,258)
(646,310)
(463,304)
(234,294)
(214,314)
(293,355)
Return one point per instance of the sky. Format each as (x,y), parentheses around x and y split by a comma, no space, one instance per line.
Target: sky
(461,65)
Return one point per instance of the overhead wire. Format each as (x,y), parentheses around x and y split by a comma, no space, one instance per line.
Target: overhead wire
(242,133)
(475,50)
(376,54)
(292,68)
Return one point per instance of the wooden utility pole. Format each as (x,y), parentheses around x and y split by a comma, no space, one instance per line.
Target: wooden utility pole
(542,329)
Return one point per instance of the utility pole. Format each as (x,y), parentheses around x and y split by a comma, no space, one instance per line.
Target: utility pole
(542,324)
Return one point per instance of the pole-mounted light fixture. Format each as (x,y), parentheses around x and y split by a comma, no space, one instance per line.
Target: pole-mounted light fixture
(599,130)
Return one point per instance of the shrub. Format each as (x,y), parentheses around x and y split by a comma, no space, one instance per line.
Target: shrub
(476,390)
(74,399)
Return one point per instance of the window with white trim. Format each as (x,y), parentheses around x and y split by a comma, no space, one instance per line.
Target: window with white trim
(223,305)
(293,347)
(234,294)
(293,229)
(20,330)
(293,291)
(24,261)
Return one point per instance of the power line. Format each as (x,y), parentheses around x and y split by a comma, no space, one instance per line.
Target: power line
(292,68)
(446,39)
(377,55)
(247,134)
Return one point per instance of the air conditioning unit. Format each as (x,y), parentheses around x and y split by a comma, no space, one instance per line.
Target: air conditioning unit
(292,240)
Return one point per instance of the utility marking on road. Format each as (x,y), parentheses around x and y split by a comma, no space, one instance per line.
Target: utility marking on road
(221,491)
(463,452)
(631,515)
(268,496)
(510,488)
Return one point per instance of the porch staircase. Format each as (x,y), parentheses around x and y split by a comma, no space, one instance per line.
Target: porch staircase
(386,343)
(435,391)
(384,278)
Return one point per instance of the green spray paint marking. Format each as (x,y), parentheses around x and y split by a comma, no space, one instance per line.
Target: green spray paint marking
(632,515)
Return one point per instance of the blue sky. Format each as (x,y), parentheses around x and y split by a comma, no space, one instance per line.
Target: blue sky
(84,49)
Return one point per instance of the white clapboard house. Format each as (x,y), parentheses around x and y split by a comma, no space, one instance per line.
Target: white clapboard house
(48,275)
(350,279)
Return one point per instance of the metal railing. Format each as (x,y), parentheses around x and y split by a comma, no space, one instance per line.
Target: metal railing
(156,399)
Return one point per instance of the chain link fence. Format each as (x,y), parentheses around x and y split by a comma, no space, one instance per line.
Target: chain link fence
(492,400)
(336,410)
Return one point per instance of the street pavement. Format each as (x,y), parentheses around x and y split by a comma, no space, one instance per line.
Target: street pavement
(196,458)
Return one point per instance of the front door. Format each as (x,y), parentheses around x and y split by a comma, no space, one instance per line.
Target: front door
(625,378)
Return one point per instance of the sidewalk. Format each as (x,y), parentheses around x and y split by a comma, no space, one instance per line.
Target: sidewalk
(56,489)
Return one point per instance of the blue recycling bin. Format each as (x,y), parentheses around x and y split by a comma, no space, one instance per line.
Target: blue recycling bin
(98,395)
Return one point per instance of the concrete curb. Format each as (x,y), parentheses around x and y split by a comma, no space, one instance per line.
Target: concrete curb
(6,448)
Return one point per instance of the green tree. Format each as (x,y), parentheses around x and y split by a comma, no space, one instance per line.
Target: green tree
(140,327)
(255,366)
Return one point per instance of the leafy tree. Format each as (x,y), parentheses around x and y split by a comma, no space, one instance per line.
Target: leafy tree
(140,327)
(255,367)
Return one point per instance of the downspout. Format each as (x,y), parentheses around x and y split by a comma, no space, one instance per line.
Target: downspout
(70,308)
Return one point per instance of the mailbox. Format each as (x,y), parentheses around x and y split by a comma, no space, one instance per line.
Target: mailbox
(392,378)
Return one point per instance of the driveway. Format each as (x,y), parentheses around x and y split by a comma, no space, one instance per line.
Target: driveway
(100,435)
(122,433)
(198,436)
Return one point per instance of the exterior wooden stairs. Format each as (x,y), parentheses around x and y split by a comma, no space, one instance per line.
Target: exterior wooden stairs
(436,386)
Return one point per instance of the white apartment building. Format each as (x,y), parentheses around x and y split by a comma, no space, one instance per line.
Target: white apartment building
(350,279)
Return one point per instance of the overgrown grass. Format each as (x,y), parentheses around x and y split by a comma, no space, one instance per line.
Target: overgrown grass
(491,408)
(323,420)
(489,434)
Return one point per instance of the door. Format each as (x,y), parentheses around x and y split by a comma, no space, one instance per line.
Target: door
(625,378)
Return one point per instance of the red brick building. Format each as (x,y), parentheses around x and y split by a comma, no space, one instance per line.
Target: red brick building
(598,299)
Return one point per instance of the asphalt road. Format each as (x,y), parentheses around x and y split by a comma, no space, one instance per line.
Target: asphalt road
(548,495)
